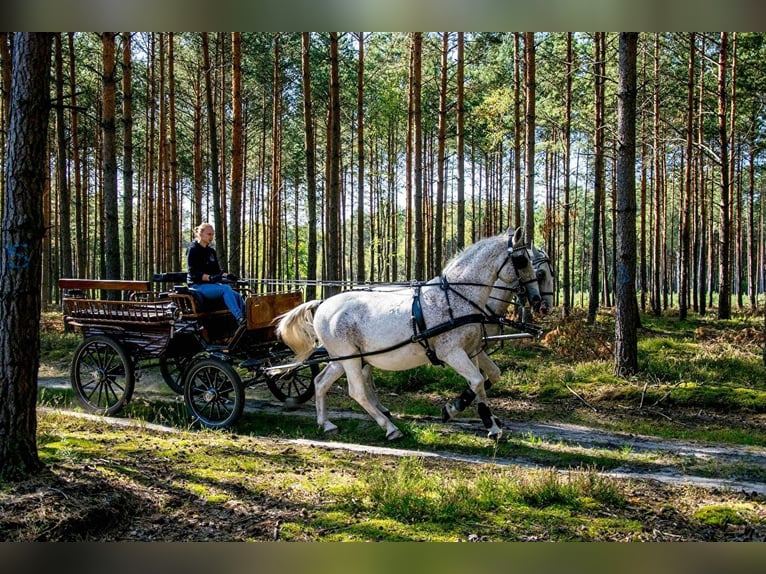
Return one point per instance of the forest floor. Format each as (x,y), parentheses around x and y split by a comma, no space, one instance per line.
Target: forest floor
(65,502)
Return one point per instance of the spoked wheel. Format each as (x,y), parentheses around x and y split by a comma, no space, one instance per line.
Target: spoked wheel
(102,375)
(213,393)
(173,368)
(294,386)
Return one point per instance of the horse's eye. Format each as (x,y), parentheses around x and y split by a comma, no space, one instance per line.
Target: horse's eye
(540,274)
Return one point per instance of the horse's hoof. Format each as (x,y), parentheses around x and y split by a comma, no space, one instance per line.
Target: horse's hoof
(495,434)
(448,412)
(329,428)
(394,435)
(445,414)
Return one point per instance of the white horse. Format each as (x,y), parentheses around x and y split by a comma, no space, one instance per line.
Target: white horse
(500,299)
(396,329)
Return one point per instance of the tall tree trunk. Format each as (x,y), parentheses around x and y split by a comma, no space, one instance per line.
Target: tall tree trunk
(360,269)
(420,250)
(333,243)
(656,187)
(724,266)
(213,135)
(705,237)
(275,195)
(626,321)
(529,125)
(644,207)
(460,239)
(598,176)
(127,157)
(686,198)
(517,129)
(237,159)
(311,185)
(174,235)
(65,229)
(440,161)
(22,236)
(567,158)
(109,156)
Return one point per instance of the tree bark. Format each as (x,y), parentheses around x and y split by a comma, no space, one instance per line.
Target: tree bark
(530,122)
(333,243)
(626,322)
(65,229)
(724,240)
(360,268)
(417,119)
(686,200)
(109,156)
(127,157)
(460,239)
(21,258)
(598,176)
(237,160)
(311,184)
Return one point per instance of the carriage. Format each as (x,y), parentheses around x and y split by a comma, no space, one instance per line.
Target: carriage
(204,356)
(201,354)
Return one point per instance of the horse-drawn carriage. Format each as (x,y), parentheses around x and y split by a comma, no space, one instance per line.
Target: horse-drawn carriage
(201,352)
(204,356)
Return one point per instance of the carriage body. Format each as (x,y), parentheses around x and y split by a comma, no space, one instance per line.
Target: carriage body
(129,324)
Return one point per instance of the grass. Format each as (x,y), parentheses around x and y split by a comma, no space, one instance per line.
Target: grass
(700,380)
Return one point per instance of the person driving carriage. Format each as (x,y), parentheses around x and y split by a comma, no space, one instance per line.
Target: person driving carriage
(204,273)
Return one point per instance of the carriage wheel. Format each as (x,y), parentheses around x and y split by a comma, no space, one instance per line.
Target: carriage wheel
(295,386)
(173,368)
(102,375)
(213,393)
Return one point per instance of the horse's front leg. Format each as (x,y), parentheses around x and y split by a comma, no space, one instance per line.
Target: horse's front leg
(459,404)
(463,365)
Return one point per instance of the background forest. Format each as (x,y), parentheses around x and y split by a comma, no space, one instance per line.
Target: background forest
(377,156)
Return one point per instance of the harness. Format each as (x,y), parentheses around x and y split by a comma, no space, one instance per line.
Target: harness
(422,333)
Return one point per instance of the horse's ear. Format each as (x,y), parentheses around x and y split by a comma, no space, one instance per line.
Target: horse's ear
(518,235)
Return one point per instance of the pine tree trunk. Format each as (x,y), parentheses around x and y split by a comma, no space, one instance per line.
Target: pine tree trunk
(460,239)
(237,159)
(22,233)
(686,200)
(419,272)
(311,186)
(724,259)
(598,187)
(109,156)
(360,268)
(529,130)
(626,321)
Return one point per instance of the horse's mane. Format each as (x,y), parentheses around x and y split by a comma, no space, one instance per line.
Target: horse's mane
(468,252)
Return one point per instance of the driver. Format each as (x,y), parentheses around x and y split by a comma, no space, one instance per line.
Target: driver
(205,275)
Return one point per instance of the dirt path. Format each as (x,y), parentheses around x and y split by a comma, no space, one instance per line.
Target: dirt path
(674,462)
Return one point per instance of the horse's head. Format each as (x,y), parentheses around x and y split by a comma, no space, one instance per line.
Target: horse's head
(545,277)
(521,266)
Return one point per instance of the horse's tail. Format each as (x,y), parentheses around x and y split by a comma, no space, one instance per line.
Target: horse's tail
(296,329)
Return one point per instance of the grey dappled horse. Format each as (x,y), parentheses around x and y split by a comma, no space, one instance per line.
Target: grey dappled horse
(395,328)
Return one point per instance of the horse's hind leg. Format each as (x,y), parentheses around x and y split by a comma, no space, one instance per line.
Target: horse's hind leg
(370,390)
(322,383)
(359,391)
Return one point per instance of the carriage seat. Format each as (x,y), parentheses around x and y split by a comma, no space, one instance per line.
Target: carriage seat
(193,304)
(190,301)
